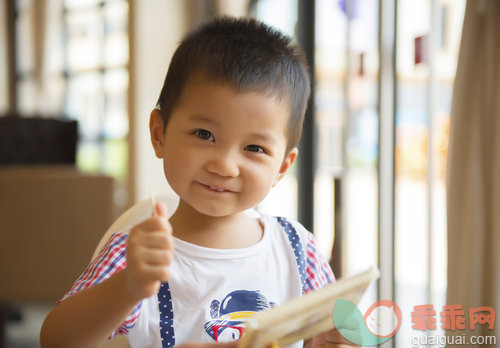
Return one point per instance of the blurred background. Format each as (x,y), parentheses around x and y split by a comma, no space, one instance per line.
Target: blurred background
(371,177)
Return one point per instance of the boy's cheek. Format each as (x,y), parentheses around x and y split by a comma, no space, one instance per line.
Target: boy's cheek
(175,161)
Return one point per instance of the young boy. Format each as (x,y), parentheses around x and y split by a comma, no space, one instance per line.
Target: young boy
(226,125)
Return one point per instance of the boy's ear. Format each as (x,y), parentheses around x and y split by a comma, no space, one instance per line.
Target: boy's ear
(157,132)
(287,163)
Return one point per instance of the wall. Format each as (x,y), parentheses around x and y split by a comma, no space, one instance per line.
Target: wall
(159,26)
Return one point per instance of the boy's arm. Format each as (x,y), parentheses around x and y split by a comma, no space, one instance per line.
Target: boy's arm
(88,317)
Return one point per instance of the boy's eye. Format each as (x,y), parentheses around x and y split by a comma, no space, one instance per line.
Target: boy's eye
(254,148)
(204,134)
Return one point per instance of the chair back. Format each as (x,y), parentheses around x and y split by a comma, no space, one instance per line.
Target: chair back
(134,215)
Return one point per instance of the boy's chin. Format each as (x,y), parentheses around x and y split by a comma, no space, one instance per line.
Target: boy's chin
(210,209)
(215,210)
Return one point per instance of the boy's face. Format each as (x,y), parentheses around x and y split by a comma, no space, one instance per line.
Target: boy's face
(223,150)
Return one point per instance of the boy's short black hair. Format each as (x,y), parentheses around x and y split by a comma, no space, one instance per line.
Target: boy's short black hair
(248,54)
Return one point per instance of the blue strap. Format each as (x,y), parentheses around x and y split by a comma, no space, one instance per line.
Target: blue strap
(298,249)
(166,316)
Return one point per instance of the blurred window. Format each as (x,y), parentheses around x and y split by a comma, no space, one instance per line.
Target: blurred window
(427,50)
(84,75)
(347,70)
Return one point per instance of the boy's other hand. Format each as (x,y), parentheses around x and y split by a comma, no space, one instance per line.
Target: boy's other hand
(233,344)
(209,345)
(329,339)
(149,254)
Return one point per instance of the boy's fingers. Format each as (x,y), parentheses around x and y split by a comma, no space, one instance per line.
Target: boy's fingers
(158,257)
(156,272)
(333,336)
(209,345)
(158,240)
(226,345)
(154,224)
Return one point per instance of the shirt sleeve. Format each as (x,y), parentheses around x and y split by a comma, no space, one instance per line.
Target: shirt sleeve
(318,271)
(110,260)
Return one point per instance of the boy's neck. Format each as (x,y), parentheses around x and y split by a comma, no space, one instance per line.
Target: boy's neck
(226,232)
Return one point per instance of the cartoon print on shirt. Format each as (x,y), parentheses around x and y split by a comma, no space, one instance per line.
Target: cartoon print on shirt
(229,315)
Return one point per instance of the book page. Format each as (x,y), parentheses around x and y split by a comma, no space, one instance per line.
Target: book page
(306,316)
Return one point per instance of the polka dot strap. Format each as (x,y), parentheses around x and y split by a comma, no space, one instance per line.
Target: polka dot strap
(297,247)
(166,316)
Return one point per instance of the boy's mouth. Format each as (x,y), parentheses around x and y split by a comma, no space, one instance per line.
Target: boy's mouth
(214,188)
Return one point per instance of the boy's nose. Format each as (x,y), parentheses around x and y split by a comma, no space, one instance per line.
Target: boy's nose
(223,164)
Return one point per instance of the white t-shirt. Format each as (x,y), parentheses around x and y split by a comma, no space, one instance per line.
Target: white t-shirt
(212,291)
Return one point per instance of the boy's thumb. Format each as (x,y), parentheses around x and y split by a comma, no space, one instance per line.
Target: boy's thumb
(161,210)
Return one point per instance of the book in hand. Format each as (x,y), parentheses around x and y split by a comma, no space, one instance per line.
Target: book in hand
(306,316)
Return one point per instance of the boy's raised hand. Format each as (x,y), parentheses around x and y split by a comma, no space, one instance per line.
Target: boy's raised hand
(149,254)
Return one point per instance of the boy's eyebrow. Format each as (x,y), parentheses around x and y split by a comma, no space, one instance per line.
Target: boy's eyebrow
(202,118)
(265,137)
